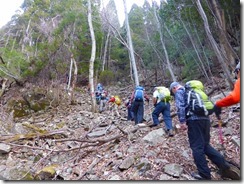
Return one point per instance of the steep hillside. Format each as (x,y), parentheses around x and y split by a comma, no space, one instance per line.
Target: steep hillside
(68,142)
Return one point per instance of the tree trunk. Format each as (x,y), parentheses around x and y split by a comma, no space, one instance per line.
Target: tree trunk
(92,59)
(227,50)
(201,66)
(74,81)
(131,50)
(4,81)
(70,73)
(164,47)
(105,50)
(214,44)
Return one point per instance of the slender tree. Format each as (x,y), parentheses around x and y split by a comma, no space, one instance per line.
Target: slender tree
(214,44)
(74,80)
(131,49)
(227,51)
(163,45)
(92,59)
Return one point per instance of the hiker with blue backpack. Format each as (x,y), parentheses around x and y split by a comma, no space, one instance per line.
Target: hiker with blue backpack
(98,92)
(194,116)
(161,102)
(103,100)
(99,87)
(137,100)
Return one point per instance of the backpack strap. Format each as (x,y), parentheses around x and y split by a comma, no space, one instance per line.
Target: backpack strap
(188,100)
(135,93)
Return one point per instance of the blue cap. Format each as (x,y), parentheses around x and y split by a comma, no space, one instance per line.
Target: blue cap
(173,84)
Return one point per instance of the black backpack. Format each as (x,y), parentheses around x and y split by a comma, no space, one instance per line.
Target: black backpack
(196,99)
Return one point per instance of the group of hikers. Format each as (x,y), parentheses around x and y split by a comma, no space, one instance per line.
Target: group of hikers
(193,110)
(102,98)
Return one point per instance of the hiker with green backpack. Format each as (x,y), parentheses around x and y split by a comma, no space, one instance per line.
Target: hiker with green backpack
(194,108)
(161,102)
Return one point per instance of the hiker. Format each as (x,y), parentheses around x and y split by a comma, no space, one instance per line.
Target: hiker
(67,78)
(98,93)
(161,102)
(99,87)
(103,100)
(233,97)
(116,102)
(98,97)
(130,114)
(199,137)
(137,99)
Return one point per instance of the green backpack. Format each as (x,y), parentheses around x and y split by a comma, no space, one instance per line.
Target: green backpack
(197,101)
(163,93)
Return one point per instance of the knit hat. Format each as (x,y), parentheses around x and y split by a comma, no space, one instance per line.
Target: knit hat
(173,84)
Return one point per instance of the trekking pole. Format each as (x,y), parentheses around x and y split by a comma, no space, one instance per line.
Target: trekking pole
(221,134)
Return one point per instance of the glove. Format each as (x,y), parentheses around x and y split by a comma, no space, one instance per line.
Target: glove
(217,111)
(183,126)
(211,111)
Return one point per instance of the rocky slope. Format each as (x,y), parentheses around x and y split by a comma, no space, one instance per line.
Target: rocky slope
(68,142)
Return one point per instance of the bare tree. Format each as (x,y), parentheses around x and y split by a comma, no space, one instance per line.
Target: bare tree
(70,74)
(74,80)
(106,49)
(131,49)
(201,65)
(92,59)
(214,44)
(227,51)
(163,45)
(109,16)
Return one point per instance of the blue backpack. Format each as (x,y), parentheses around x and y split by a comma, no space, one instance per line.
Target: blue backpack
(139,95)
(99,87)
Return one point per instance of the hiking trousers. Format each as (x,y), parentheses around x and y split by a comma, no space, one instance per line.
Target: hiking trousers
(138,110)
(164,108)
(130,115)
(199,137)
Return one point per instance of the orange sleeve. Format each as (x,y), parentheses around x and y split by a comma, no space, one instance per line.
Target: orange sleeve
(232,98)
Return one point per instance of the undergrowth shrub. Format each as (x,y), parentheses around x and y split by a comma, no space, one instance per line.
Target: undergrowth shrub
(106,77)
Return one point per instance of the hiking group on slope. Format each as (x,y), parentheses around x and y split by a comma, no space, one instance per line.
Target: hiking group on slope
(193,110)
(193,117)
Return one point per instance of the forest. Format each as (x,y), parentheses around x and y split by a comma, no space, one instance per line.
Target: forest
(54,54)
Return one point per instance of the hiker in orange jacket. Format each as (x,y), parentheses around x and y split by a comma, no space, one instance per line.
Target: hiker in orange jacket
(233,97)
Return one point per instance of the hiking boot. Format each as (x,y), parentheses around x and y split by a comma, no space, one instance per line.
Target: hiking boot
(153,125)
(232,173)
(198,177)
(171,134)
